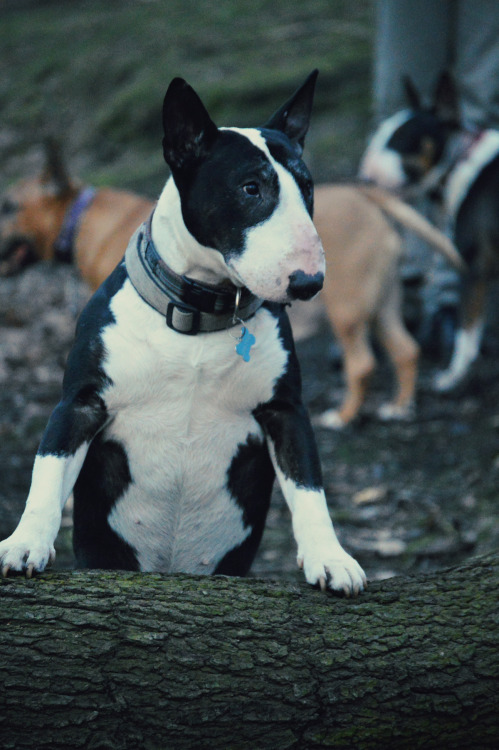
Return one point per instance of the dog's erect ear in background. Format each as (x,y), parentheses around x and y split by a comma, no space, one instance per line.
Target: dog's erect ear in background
(446,105)
(293,118)
(411,93)
(445,101)
(55,171)
(189,131)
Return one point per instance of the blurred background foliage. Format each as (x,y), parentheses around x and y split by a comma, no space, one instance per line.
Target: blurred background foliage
(93,74)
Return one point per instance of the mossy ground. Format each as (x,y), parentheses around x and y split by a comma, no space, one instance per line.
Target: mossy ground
(94,75)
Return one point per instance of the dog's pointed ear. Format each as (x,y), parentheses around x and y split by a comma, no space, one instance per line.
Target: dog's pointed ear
(411,93)
(293,118)
(189,131)
(446,104)
(55,170)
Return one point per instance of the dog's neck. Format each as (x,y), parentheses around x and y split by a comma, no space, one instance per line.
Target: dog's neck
(180,250)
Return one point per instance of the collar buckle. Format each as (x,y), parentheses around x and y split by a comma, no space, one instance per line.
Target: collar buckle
(183,320)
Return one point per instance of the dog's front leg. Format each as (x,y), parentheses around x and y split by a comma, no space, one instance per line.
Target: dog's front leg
(59,459)
(296,461)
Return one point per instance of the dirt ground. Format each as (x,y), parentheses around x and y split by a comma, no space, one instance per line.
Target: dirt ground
(407,497)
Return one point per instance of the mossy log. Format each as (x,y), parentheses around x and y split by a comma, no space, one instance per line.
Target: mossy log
(124,660)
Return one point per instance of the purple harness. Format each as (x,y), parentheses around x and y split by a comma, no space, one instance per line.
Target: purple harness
(64,244)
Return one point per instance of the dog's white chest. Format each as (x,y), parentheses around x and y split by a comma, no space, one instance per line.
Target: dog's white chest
(180,407)
(466,172)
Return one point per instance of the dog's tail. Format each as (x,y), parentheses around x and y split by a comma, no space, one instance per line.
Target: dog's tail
(411,219)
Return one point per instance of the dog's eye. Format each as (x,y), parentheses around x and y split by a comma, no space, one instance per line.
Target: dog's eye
(252,189)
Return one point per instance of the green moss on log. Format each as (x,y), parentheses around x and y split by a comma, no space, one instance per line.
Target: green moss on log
(126,660)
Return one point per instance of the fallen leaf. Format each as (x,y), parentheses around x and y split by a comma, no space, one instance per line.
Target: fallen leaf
(370,495)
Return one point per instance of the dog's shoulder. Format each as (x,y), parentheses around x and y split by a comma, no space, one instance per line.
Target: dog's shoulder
(84,365)
(97,313)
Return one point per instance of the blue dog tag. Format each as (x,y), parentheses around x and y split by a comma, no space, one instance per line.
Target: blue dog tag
(245,343)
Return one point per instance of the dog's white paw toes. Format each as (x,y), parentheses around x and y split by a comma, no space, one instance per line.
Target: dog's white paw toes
(330,419)
(29,558)
(338,572)
(395,412)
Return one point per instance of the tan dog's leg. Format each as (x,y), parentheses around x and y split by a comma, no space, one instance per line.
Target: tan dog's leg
(403,352)
(359,364)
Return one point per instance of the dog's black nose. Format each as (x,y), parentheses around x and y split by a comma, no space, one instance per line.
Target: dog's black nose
(304,286)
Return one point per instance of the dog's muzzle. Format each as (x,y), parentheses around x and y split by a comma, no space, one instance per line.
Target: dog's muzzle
(304,286)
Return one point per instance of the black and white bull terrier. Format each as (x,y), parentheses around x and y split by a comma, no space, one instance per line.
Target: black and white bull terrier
(181,398)
(427,147)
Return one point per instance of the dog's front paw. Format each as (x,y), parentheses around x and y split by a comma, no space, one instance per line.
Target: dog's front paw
(332,568)
(25,554)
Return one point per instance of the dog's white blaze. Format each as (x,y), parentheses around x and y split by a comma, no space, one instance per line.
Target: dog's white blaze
(465,173)
(466,350)
(286,242)
(381,164)
(180,408)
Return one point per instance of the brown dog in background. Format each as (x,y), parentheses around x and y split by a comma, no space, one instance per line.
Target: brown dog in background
(33,212)
(362,287)
(363,291)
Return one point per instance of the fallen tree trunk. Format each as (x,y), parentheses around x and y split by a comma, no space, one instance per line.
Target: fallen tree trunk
(118,660)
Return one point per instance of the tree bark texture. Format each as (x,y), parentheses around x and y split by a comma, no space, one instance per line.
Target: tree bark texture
(144,661)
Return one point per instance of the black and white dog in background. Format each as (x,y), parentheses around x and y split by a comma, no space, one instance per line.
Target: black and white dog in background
(169,433)
(426,146)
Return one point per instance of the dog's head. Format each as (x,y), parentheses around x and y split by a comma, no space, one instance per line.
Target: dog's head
(246,193)
(409,144)
(31,214)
